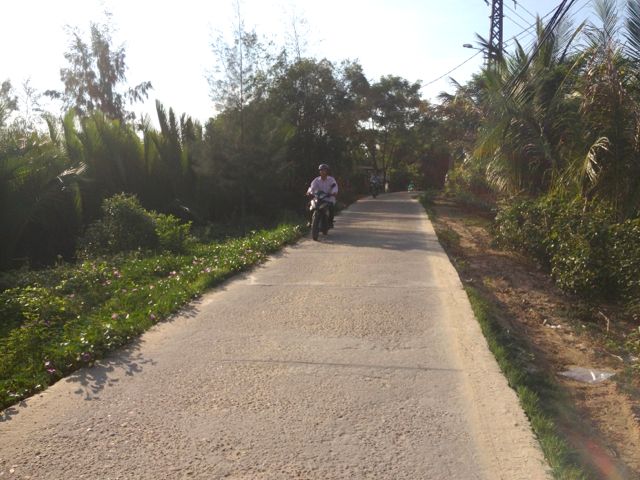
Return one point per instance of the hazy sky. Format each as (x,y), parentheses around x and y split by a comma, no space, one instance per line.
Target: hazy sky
(169,42)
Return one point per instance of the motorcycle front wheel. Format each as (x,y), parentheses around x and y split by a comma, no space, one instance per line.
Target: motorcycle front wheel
(315,224)
(324,223)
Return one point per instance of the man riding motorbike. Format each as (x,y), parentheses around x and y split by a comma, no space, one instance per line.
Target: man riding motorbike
(327,184)
(374,184)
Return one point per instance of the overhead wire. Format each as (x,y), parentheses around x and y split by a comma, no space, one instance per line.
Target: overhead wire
(454,68)
(586,4)
(525,9)
(525,20)
(550,26)
(532,42)
(513,21)
(558,15)
(533,25)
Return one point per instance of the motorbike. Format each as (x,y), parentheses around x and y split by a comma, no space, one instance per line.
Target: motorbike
(375,189)
(319,206)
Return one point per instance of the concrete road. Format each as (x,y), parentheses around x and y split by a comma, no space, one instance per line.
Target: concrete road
(353,357)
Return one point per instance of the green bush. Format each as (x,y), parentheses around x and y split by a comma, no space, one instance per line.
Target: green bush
(578,249)
(574,266)
(565,237)
(624,254)
(468,177)
(125,226)
(524,226)
(173,235)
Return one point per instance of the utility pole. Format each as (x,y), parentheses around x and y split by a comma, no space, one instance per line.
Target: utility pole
(495,35)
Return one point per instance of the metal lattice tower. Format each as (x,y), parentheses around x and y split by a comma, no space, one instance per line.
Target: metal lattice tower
(495,36)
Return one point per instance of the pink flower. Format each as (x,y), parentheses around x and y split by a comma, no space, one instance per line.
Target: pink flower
(114,316)
(50,368)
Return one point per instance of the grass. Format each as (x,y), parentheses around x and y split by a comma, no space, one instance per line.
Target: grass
(55,321)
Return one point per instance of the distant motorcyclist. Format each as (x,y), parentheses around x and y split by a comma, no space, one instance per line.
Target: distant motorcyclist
(374,183)
(327,184)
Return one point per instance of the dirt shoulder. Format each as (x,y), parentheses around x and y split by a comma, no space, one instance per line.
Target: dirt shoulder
(600,421)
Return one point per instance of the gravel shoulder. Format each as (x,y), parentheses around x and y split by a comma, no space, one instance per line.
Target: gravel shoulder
(354,357)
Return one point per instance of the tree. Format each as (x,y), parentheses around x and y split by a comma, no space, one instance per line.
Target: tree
(93,76)
(8,102)
(395,105)
(238,81)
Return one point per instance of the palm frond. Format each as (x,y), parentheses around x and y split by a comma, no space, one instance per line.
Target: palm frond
(632,30)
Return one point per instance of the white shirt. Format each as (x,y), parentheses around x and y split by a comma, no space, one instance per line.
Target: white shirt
(329,185)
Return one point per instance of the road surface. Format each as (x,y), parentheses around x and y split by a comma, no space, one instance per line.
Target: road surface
(354,357)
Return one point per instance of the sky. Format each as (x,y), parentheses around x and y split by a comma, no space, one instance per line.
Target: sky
(169,42)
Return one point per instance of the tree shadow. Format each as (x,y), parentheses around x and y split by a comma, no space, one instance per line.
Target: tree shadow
(362,227)
(8,413)
(92,380)
(362,236)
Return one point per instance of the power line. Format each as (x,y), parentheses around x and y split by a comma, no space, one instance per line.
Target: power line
(513,21)
(526,21)
(525,9)
(551,25)
(586,4)
(532,43)
(558,15)
(454,68)
(533,25)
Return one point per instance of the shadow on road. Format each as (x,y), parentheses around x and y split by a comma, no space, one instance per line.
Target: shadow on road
(362,236)
(91,381)
(10,412)
(385,224)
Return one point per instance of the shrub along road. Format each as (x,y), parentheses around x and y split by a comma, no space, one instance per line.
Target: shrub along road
(354,357)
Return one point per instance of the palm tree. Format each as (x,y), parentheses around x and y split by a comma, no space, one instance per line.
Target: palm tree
(530,114)
(607,88)
(37,199)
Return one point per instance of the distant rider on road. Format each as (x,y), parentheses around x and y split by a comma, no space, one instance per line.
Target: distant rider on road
(327,184)
(374,182)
